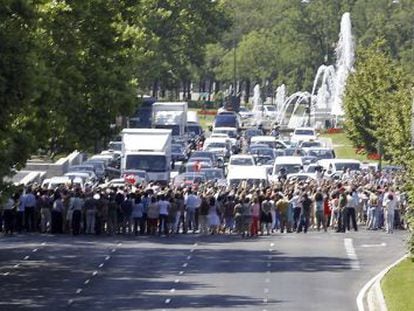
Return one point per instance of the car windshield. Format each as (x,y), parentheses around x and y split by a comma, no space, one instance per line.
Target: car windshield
(149,163)
(268,152)
(81,168)
(344,166)
(229,133)
(176,148)
(241,161)
(225,120)
(174,127)
(201,160)
(321,154)
(253,132)
(194,129)
(308,144)
(289,168)
(117,146)
(216,145)
(294,152)
(213,174)
(305,132)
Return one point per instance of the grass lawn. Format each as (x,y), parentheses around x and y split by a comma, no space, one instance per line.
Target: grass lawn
(344,149)
(398,286)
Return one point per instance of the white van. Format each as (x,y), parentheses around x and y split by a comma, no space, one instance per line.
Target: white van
(340,165)
(248,175)
(291,164)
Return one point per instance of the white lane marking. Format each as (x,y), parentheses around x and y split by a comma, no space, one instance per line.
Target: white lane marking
(6,273)
(188,257)
(94,273)
(70,301)
(101,265)
(374,245)
(177,281)
(34,251)
(172,290)
(119,244)
(16,266)
(26,258)
(167,301)
(272,244)
(367,286)
(113,250)
(87,281)
(107,258)
(195,244)
(181,272)
(43,244)
(79,290)
(185,265)
(192,250)
(350,251)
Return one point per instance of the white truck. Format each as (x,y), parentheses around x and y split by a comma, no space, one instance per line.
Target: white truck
(148,150)
(171,115)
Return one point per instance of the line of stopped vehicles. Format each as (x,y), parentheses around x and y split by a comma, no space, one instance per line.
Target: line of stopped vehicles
(236,150)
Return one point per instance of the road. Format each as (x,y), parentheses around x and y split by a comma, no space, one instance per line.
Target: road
(314,271)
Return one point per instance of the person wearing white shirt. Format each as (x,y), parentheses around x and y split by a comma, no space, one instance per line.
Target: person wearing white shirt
(192,203)
(389,205)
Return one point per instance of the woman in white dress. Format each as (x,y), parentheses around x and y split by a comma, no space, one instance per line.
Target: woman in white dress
(213,218)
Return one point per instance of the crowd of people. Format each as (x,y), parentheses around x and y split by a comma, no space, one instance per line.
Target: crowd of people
(359,198)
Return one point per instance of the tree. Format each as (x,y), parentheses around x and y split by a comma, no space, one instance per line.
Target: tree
(18,85)
(377,103)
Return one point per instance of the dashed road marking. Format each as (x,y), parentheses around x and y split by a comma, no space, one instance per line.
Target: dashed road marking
(185,265)
(167,301)
(34,251)
(181,272)
(43,244)
(101,265)
(26,258)
(113,250)
(94,273)
(87,281)
(172,290)
(177,281)
(350,251)
(107,258)
(70,301)
(272,244)
(78,291)
(16,266)
(6,273)
(188,257)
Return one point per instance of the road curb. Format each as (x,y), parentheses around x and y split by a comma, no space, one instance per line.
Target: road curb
(370,297)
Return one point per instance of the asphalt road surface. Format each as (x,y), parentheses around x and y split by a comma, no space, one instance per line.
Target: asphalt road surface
(314,271)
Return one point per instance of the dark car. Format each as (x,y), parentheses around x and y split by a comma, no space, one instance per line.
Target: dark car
(178,152)
(227,120)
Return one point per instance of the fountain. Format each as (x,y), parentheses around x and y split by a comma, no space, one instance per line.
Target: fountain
(280,98)
(288,117)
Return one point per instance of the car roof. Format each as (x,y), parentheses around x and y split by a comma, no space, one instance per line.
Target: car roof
(288,160)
